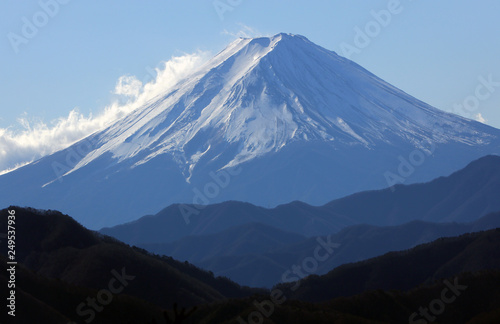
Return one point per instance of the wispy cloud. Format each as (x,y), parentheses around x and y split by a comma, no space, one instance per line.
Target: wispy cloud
(128,86)
(480,118)
(36,138)
(244,31)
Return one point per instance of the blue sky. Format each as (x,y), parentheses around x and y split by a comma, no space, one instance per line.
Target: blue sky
(437,51)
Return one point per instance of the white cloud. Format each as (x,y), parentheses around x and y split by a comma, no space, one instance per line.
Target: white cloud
(36,138)
(170,74)
(244,32)
(480,118)
(128,86)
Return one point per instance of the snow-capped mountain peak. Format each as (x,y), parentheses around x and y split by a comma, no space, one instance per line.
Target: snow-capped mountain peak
(296,121)
(261,94)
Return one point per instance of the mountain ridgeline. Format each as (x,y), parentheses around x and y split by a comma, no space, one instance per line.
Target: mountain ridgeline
(307,188)
(267,121)
(464,196)
(63,268)
(259,256)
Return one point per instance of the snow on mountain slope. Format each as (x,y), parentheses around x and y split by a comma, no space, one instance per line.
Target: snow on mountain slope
(264,93)
(303,122)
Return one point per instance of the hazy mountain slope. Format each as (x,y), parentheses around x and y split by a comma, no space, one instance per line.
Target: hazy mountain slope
(268,120)
(170,225)
(464,196)
(253,238)
(220,253)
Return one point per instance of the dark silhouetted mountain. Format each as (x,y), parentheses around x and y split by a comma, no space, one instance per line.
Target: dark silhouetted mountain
(55,246)
(44,298)
(53,301)
(464,196)
(424,264)
(479,303)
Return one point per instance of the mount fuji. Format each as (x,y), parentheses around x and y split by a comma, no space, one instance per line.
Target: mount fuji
(268,120)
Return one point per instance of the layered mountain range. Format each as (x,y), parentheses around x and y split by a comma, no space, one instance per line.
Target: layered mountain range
(65,272)
(464,196)
(254,246)
(268,120)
